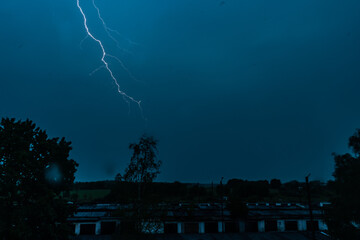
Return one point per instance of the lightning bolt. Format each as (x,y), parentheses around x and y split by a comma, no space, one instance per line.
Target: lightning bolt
(99,68)
(108,30)
(124,67)
(126,97)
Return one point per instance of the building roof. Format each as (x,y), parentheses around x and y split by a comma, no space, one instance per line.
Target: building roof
(220,236)
(237,236)
(91,214)
(204,211)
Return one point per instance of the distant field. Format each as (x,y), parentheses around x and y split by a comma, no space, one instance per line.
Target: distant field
(86,195)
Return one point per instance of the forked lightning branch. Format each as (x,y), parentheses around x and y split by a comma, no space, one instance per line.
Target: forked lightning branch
(126,97)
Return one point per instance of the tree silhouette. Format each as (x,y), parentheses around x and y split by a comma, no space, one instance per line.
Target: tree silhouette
(143,169)
(144,165)
(343,216)
(34,171)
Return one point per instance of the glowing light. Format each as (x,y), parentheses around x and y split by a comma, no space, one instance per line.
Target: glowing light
(126,97)
(53,173)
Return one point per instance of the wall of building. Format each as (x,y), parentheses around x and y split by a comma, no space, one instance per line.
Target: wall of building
(322,225)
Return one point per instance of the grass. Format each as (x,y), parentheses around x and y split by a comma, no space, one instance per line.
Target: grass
(89,195)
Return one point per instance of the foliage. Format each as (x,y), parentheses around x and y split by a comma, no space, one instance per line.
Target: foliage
(244,188)
(275,183)
(237,207)
(123,192)
(126,192)
(343,216)
(144,166)
(295,190)
(142,169)
(107,184)
(118,177)
(34,171)
(88,195)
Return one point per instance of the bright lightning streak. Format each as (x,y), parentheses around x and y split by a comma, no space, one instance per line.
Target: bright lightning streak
(126,97)
(108,30)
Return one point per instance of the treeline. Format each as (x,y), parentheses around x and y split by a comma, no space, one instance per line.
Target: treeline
(275,191)
(248,191)
(159,192)
(108,184)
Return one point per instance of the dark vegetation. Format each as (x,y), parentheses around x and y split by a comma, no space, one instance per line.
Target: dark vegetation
(248,191)
(137,185)
(343,215)
(36,183)
(142,170)
(34,171)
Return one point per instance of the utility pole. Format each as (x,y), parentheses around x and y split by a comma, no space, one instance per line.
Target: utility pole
(310,208)
(222,205)
(212,190)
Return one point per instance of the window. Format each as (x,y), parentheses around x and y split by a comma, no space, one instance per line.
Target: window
(251,226)
(87,229)
(231,227)
(291,226)
(211,227)
(316,225)
(270,225)
(170,228)
(191,228)
(108,227)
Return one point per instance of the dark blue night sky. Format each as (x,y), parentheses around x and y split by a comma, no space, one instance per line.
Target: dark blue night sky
(251,89)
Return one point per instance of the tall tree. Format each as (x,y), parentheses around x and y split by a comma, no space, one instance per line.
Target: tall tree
(143,168)
(34,171)
(343,217)
(144,165)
